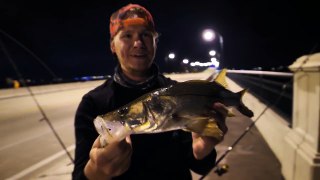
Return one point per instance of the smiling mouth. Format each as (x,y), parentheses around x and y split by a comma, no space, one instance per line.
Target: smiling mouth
(139,55)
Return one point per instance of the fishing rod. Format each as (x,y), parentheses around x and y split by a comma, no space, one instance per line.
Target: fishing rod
(220,170)
(31,53)
(19,75)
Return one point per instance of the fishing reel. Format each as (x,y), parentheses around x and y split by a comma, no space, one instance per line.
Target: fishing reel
(222,169)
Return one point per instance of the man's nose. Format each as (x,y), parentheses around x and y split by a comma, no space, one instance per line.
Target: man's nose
(138,43)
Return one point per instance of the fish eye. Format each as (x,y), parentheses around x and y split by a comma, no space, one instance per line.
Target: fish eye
(123,111)
(134,123)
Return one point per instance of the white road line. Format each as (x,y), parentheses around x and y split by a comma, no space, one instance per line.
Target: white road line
(23,140)
(48,131)
(40,164)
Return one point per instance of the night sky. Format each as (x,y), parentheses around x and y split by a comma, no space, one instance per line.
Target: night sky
(72,37)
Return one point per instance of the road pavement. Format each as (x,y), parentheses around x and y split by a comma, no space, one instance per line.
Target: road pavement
(25,138)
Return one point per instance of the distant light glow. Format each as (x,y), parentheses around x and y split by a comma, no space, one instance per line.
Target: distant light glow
(212,53)
(213,59)
(208,35)
(214,62)
(172,56)
(185,61)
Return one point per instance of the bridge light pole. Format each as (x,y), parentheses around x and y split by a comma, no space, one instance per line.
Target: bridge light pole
(211,35)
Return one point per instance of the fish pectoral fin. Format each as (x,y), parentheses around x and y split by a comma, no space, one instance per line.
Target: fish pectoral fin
(205,127)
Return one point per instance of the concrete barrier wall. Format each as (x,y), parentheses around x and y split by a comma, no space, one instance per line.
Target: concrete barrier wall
(41,89)
(272,126)
(297,148)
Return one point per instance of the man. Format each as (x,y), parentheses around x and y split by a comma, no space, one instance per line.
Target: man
(168,155)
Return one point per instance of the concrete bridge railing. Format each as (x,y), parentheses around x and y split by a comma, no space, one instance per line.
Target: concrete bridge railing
(297,148)
(303,141)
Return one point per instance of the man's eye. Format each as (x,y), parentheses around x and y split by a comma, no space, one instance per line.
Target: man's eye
(126,36)
(147,35)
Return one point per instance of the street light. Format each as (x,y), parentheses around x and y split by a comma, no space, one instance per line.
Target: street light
(185,61)
(210,35)
(171,56)
(212,53)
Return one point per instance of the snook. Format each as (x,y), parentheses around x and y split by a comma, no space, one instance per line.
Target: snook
(186,105)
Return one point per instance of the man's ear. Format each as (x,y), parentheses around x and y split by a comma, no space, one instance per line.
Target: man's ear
(113,50)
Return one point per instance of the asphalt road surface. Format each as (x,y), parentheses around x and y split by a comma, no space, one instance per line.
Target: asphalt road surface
(25,138)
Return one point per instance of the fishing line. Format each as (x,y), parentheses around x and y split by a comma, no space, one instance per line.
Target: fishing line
(15,67)
(230,148)
(31,53)
(219,170)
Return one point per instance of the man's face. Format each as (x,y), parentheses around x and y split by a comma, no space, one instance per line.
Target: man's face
(135,47)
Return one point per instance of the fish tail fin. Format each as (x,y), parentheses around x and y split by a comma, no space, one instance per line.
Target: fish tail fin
(221,78)
(208,127)
(243,108)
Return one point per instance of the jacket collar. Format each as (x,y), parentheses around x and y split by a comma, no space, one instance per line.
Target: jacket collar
(121,79)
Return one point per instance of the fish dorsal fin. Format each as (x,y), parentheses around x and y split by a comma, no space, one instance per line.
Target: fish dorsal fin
(221,78)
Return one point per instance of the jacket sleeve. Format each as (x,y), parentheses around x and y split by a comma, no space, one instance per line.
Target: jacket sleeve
(85,135)
(202,166)
(198,166)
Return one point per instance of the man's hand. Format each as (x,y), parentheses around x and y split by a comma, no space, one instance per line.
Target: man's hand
(203,145)
(109,161)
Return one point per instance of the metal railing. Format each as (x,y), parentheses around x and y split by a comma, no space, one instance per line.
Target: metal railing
(267,86)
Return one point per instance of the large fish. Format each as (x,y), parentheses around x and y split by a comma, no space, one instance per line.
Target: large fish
(186,105)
